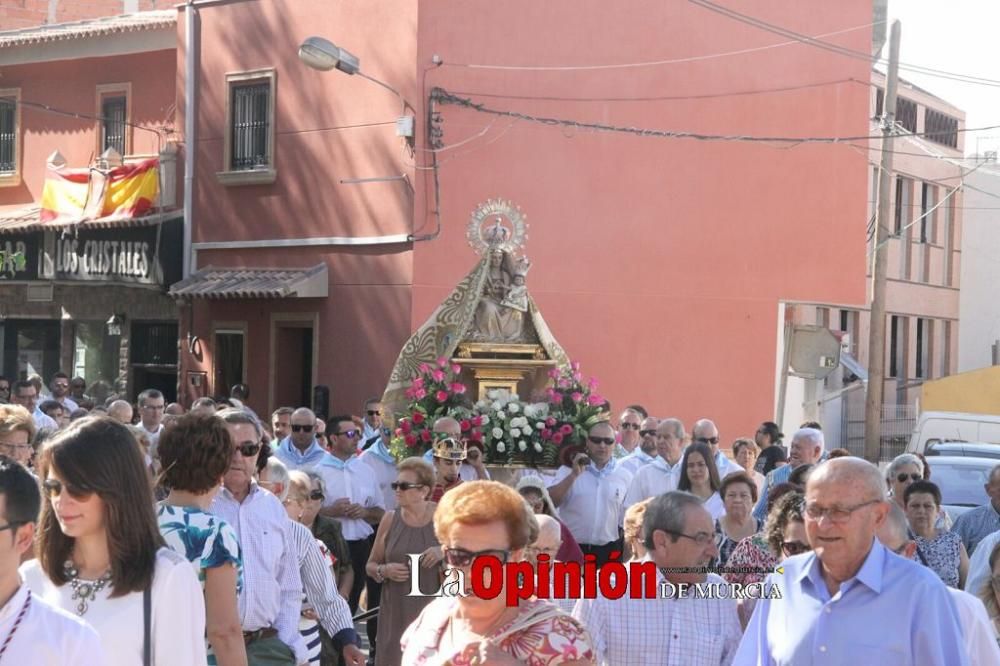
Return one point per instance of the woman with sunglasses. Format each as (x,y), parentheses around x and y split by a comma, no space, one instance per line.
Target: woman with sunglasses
(309,492)
(409,530)
(100,552)
(699,476)
(785,532)
(476,519)
(904,469)
(195,453)
(940,550)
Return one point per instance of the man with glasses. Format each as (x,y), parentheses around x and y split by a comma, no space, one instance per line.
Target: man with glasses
(979,634)
(661,475)
(806,449)
(300,450)
(645,453)
(591,495)
(705,432)
(17,429)
(271,598)
(375,451)
(352,497)
(25,394)
(679,535)
(851,601)
(151,409)
(629,424)
(59,387)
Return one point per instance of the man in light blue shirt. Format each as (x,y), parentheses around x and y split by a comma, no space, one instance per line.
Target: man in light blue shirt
(851,601)
(705,432)
(806,449)
(300,450)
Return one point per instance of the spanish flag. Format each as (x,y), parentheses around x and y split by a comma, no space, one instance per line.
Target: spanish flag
(81,195)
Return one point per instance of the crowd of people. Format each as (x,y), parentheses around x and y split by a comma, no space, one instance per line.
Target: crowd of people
(154,534)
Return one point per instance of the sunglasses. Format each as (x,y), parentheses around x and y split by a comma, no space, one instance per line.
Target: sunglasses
(248,449)
(54,488)
(403,485)
(302,428)
(913,477)
(707,440)
(350,434)
(794,547)
(606,441)
(374,412)
(647,433)
(317,495)
(460,557)
(630,426)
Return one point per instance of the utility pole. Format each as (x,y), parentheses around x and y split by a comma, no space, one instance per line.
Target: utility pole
(876,329)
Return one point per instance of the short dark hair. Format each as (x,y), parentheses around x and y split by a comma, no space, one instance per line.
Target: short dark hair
(371,401)
(263,457)
(713,472)
(771,429)
(282,411)
(812,424)
(99,455)
(149,394)
(58,375)
(22,498)
(20,384)
(928,487)
(733,479)
(204,401)
(838,453)
(334,422)
(639,409)
(49,405)
(194,453)
(799,475)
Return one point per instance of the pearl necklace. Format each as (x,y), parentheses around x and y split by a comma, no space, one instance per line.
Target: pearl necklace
(85,591)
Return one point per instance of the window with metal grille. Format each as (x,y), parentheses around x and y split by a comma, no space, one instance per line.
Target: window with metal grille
(251,125)
(941,128)
(113,110)
(906,114)
(154,344)
(8,134)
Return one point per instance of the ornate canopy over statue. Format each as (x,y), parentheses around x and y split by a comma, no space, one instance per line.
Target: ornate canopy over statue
(488,323)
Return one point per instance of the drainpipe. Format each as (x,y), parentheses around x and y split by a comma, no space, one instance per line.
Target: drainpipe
(190,67)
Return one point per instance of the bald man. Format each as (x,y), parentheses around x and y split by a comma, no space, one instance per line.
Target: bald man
(705,432)
(300,450)
(851,600)
(472,468)
(979,635)
(121,411)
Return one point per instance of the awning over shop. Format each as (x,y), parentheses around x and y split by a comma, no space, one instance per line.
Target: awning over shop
(23,219)
(220,283)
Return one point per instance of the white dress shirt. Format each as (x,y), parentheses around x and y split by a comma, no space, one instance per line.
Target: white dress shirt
(272,589)
(68,403)
(43,420)
(356,481)
(726,466)
(385,473)
(654,479)
(980,637)
(178,614)
(685,631)
(636,460)
(48,635)
(317,581)
(594,506)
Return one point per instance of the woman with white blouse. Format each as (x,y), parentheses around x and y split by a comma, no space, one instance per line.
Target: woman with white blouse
(100,550)
(699,476)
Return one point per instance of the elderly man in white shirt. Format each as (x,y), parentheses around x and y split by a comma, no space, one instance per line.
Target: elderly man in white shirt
(661,475)
(645,453)
(590,495)
(375,451)
(271,598)
(686,629)
(34,631)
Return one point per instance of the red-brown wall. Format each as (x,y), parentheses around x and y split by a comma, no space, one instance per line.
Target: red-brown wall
(16,14)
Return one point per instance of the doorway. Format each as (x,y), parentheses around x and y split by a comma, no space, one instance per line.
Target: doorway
(293,361)
(30,347)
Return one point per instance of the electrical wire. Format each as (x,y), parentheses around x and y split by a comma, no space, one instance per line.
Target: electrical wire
(445,97)
(652,63)
(834,48)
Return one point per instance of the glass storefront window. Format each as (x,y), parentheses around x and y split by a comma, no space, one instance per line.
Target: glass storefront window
(96,358)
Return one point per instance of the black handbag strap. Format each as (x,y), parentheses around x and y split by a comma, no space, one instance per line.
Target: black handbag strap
(147,617)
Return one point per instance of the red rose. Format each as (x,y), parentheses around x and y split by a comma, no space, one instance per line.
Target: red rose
(550,421)
(441,396)
(477,421)
(405,426)
(566,429)
(546,434)
(465,424)
(557,438)
(476,436)
(418,418)
(426,435)
(411,440)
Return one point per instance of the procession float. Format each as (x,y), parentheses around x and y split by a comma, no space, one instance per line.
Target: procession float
(487,358)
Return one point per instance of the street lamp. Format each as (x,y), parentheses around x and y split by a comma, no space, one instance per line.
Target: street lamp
(323,55)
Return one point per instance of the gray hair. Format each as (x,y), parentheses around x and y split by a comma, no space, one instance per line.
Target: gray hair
(675,426)
(667,512)
(313,476)
(811,435)
(278,473)
(241,416)
(901,461)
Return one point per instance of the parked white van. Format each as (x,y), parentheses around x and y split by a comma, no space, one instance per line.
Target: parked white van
(935,427)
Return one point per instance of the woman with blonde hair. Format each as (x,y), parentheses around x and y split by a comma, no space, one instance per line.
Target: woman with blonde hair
(478,519)
(17,431)
(635,549)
